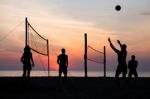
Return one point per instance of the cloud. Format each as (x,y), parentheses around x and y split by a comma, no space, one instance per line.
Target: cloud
(145,13)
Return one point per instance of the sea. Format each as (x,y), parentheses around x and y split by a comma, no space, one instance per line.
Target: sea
(37,73)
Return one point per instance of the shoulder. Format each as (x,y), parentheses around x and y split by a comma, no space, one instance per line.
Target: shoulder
(136,61)
(125,51)
(118,51)
(66,56)
(129,61)
(59,55)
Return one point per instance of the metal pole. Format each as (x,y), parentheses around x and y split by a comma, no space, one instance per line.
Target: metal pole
(48,57)
(26,31)
(85,54)
(104,61)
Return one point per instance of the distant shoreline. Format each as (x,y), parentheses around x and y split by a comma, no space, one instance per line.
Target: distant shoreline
(18,73)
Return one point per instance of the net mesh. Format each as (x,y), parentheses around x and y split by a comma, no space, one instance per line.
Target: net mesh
(36,42)
(95,55)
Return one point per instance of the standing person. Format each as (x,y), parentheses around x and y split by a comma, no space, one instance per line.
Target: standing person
(132,66)
(62,60)
(122,66)
(26,59)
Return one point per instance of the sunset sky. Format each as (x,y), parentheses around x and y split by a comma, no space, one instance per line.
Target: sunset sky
(64,23)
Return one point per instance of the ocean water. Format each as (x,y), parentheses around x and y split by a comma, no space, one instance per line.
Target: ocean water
(70,73)
(52,73)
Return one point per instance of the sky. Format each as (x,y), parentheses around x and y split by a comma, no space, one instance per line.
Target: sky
(64,22)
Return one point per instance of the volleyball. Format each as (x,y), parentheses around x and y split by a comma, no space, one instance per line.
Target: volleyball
(118,7)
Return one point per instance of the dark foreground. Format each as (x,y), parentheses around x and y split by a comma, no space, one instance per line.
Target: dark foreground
(72,88)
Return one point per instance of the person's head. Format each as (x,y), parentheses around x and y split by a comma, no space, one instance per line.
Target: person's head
(123,47)
(27,49)
(133,57)
(63,51)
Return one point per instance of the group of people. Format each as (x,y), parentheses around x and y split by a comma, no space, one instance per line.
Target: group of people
(122,64)
(62,60)
(28,62)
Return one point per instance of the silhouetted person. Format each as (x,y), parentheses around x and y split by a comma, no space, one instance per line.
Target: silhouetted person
(122,66)
(27,61)
(62,60)
(132,66)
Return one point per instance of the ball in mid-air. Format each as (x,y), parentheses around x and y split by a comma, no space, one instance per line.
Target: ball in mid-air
(118,7)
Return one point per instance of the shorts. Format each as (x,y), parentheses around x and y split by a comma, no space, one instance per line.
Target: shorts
(27,67)
(121,69)
(63,69)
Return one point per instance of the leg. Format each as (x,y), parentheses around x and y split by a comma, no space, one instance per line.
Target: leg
(65,72)
(129,78)
(136,77)
(65,75)
(24,72)
(60,72)
(118,71)
(117,77)
(117,80)
(125,79)
(124,75)
(59,76)
(124,71)
(28,73)
(28,70)
(135,74)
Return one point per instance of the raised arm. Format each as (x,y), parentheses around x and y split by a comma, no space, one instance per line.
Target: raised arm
(112,46)
(119,43)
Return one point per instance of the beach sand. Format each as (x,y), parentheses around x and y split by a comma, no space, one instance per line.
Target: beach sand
(72,88)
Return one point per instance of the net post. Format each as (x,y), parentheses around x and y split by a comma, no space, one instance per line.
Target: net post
(26,31)
(104,61)
(85,54)
(48,57)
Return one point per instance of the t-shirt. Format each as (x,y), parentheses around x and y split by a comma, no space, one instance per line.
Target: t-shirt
(62,58)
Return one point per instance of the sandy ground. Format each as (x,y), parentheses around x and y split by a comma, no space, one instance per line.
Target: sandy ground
(72,88)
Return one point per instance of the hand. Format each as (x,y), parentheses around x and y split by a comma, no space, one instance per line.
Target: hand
(67,65)
(32,64)
(118,41)
(109,40)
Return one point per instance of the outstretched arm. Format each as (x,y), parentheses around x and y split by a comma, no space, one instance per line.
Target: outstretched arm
(119,43)
(112,46)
